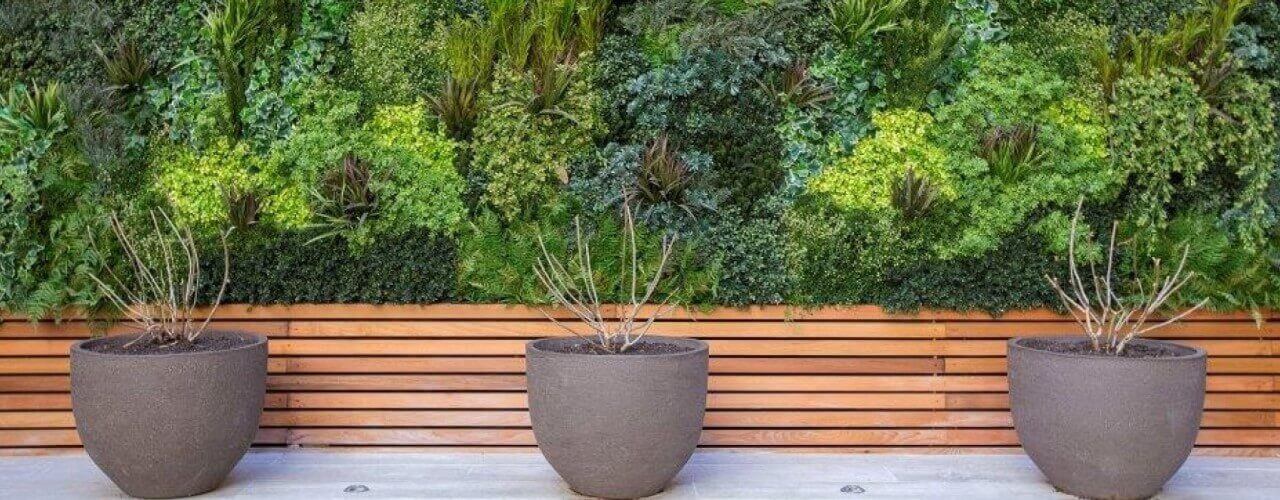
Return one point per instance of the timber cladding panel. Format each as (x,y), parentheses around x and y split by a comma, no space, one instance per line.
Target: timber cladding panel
(851,378)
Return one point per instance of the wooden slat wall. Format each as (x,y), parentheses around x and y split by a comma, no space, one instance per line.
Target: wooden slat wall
(852,378)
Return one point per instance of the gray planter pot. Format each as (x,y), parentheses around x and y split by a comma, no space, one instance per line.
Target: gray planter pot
(168,425)
(617,426)
(1104,426)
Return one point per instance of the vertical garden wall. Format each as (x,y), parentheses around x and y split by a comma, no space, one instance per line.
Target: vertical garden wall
(905,153)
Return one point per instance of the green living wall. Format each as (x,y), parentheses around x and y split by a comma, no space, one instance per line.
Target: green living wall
(908,153)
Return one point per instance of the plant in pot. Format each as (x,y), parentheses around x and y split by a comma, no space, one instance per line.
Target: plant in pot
(616,412)
(1109,415)
(169,412)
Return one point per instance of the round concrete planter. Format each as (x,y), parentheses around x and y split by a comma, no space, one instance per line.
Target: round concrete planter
(617,426)
(1105,426)
(168,425)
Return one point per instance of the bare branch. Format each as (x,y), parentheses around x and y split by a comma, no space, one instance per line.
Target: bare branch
(577,290)
(1110,320)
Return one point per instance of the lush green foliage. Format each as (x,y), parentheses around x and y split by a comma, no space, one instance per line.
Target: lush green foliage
(907,153)
(48,205)
(1160,129)
(389,61)
(413,177)
(863,181)
(1064,156)
(524,150)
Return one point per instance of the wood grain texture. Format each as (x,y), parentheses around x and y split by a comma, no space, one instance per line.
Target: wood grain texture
(451,376)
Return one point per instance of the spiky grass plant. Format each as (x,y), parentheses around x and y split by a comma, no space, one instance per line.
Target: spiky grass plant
(1011,151)
(41,108)
(797,87)
(913,195)
(237,32)
(663,175)
(347,197)
(573,285)
(1110,317)
(350,189)
(457,105)
(159,293)
(469,49)
(858,20)
(1198,41)
(551,85)
(588,29)
(126,67)
(242,208)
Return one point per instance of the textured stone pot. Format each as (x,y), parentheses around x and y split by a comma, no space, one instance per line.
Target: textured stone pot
(1105,426)
(168,425)
(617,426)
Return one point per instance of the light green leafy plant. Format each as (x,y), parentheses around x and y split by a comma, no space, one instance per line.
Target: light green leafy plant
(864,180)
(1021,142)
(525,155)
(195,183)
(1160,139)
(410,162)
(389,61)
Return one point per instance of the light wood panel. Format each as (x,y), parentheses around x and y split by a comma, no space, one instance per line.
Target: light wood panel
(853,378)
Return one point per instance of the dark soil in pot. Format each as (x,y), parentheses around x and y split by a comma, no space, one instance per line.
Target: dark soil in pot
(168,421)
(129,344)
(1083,347)
(617,425)
(1106,426)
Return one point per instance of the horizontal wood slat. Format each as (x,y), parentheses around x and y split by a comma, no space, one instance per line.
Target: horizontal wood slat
(450,375)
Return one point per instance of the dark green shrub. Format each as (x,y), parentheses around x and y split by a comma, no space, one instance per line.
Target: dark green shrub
(1149,15)
(751,260)
(46,40)
(1010,278)
(416,266)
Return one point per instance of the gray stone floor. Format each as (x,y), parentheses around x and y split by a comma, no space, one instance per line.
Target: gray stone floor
(312,475)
